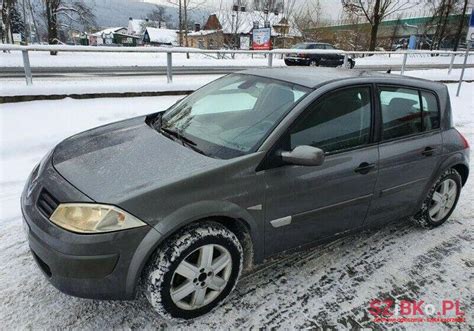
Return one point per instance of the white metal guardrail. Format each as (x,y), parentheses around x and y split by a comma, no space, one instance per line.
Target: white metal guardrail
(179,50)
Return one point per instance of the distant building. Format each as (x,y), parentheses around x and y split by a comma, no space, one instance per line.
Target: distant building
(228,28)
(138,27)
(392,33)
(113,36)
(105,37)
(206,39)
(160,37)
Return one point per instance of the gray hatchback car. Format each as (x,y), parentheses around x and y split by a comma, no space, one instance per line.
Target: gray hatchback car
(180,203)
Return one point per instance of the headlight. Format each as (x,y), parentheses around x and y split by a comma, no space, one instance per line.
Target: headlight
(93,218)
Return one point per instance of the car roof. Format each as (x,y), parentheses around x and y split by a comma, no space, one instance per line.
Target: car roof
(316,77)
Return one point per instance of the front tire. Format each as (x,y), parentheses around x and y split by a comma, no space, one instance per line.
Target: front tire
(441,200)
(194,271)
(314,63)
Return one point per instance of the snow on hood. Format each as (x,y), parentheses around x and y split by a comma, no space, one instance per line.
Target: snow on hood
(115,162)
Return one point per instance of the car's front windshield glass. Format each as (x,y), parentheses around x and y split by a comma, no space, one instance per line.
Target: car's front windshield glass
(231,116)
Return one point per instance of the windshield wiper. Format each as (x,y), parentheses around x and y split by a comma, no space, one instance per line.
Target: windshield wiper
(184,140)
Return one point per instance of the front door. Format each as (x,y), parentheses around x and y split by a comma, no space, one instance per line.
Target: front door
(307,203)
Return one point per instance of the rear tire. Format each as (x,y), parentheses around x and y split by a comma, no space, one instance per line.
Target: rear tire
(314,63)
(194,271)
(441,200)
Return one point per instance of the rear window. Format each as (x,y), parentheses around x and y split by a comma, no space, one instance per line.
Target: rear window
(407,111)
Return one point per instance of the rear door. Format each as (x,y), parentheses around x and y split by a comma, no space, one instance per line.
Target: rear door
(410,150)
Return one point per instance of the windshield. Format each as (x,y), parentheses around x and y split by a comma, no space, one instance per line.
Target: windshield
(231,116)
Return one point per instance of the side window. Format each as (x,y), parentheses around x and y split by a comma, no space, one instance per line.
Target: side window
(401,112)
(431,116)
(336,122)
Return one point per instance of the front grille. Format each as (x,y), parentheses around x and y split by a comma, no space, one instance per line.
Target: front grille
(46,203)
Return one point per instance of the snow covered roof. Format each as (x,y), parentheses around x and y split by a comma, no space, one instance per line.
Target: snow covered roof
(162,36)
(135,26)
(202,32)
(109,31)
(242,22)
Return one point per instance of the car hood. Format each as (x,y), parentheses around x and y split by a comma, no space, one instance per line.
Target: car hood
(112,163)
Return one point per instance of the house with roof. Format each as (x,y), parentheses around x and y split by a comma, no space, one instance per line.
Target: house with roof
(112,36)
(237,25)
(160,37)
(105,37)
(137,27)
(206,39)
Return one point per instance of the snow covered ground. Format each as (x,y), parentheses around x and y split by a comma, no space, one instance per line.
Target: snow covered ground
(121,84)
(327,286)
(65,59)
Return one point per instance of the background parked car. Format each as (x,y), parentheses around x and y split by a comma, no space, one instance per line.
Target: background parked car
(316,60)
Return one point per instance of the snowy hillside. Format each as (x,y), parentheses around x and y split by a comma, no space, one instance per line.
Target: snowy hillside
(117,12)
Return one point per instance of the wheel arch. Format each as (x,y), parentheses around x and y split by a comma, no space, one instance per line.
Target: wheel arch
(457,161)
(463,170)
(236,219)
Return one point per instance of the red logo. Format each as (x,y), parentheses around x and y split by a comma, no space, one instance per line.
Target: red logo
(416,311)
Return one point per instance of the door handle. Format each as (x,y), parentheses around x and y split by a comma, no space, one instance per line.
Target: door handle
(364,168)
(428,151)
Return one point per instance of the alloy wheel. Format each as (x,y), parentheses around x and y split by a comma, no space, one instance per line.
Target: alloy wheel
(201,277)
(443,200)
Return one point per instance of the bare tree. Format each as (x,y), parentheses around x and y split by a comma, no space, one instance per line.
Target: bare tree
(395,31)
(158,16)
(461,24)
(7,8)
(35,23)
(63,14)
(442,24)
(184,7)
(375,11)
(308,17)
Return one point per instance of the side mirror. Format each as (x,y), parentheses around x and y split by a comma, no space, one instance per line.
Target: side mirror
(304,155)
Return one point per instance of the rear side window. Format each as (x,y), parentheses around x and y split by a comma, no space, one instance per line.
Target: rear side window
(407,111)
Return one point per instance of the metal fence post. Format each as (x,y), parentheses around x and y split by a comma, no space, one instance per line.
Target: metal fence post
(27,67)
(270,59)
(451,64)
(169,67)
(463,68)
(346,57)
(404,62)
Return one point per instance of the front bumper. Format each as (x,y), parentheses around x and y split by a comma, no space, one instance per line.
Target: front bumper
(97,266)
